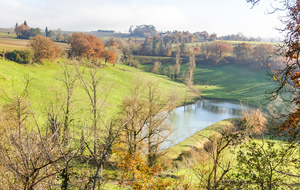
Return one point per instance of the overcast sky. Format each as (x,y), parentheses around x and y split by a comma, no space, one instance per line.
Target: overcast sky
(220,16)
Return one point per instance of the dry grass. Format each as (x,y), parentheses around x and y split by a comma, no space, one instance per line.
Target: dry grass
(9,42)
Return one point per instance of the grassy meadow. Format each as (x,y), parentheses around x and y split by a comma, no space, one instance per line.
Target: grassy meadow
(45,84)
(231,81)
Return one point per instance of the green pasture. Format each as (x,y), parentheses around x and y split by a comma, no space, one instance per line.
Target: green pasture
(44,85)
(231,81)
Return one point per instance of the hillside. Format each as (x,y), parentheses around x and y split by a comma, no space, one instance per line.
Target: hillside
(230,81)
(44,83)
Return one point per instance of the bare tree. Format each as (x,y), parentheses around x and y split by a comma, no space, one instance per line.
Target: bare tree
(146,110)
(91,81)
(68,78)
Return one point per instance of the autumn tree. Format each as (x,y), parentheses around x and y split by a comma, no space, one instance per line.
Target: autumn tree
(262,54)
(22,31)
(111,42)
(90,47)
(86,46)
(243,51)
(219,50)
(44,48)
(25,32)
(146,129)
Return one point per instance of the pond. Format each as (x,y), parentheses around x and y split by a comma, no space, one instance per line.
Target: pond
(189,119)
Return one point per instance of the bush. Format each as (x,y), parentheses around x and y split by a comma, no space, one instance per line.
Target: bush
(19,56)
(134,63)
(44,48)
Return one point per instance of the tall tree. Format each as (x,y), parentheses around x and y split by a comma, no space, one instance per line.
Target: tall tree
(46,31)
(177,65)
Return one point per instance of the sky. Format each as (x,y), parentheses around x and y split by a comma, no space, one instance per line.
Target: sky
(214,16)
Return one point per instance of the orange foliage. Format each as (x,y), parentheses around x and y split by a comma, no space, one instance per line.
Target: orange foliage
(22,31)
(44,48)
(139,176)
(112,42)
(109,56)
(89,46)
(196,50)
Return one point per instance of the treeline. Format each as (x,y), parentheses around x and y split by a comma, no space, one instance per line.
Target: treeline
(174,37)
(217,52)
(23,31)
(185,36)
(239,37)
(82,46)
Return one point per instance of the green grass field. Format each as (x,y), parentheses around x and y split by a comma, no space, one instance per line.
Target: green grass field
(44,83)
(231,81)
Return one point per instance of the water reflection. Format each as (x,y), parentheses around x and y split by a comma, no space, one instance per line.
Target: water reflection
(192,118)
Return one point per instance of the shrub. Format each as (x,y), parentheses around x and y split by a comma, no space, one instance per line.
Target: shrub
(45,48)
(20,56)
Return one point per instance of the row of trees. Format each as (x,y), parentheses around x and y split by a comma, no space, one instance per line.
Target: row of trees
(179,37)
(216,52)
(239,37)
(82,46)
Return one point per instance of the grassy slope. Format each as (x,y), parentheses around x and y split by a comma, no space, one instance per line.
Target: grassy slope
(44,82)
(197,139)
(233,82)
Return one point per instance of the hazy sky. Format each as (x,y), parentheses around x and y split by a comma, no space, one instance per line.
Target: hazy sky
(220,16)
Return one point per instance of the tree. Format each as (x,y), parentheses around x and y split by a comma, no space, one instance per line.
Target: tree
(22,31)
(219,50)
(35,32)
(146,110)
(213,37)
(86,46)
(192,67)
(90,47)
(243,51)
(112,42)
(262,54)
(177,66)
(156,66)
(44,48)
(144,30)
(30,156)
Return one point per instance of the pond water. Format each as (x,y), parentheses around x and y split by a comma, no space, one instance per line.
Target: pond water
(194,117)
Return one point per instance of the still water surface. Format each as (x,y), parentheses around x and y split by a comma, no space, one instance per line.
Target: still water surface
(192,118)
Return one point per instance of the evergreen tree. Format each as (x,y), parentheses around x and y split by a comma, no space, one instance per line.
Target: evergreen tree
(46,31)
(25,23)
